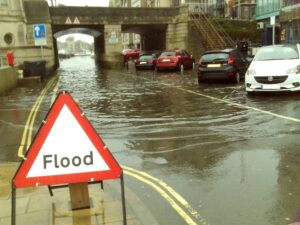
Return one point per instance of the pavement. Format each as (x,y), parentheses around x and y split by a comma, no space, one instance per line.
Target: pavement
(36,206)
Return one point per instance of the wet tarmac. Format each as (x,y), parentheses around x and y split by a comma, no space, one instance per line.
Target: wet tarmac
(233,158)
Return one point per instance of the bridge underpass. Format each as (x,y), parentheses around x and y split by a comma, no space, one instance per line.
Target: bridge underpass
(153,36)
(152,24)
(96,31)
(160,28)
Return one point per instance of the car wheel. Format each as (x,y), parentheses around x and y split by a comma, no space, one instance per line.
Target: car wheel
(193,65)
(181,68)
(237,78)
(250,93)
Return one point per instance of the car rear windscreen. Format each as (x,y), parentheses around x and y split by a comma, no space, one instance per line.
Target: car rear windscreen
(215,57)
(145,57)
(168,54)
(277,53)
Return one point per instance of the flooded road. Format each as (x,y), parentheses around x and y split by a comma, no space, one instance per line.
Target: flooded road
(233,158)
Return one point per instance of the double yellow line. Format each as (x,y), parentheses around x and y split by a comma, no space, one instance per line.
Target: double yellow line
(178,203)
(28,129)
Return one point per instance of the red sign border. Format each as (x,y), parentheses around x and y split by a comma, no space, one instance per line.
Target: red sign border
(64,98)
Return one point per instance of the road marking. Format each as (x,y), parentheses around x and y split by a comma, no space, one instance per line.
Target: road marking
(175,206)
(28,129)
(239,105)
(224,101)
(39,100)
(169,189)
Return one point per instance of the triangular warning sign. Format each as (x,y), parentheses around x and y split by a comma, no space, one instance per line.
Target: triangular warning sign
(66,149)
(68,21)
(76,21)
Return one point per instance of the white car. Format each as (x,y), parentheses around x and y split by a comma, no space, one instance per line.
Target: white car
(274,68)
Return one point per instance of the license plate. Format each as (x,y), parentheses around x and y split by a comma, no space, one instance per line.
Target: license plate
(143,62)
(166,60)
(213,65)
(271,87)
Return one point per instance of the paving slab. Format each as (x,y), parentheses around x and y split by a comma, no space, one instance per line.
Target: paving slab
(36,206)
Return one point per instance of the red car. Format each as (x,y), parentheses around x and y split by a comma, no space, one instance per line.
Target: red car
(175,59)
(131,54)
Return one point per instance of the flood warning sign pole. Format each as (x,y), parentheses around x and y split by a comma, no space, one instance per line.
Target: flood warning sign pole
(67,150)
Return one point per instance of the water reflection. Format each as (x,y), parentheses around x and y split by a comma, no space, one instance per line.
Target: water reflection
(243,163)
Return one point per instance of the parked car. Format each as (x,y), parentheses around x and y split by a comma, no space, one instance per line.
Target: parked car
(228,64)
(274,68)
(131,54)
(147,60)
(175,59)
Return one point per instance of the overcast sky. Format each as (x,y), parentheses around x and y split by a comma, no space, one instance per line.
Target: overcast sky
(81,3)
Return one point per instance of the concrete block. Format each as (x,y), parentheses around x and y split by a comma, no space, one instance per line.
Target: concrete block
(8,78)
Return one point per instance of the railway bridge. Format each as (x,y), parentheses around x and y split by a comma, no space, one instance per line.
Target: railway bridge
(160,28)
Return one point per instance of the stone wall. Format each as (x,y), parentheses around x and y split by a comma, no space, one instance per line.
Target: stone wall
(177,31)
(37,12)
(195,46)
(8,78)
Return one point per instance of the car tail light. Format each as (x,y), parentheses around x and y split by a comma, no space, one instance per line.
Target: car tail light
(231,59)
(231,74)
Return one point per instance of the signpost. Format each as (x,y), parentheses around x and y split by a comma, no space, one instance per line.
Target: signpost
(67,150)
(113,39)
(40,36)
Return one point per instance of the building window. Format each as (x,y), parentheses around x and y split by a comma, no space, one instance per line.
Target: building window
(3,3)
(8,38)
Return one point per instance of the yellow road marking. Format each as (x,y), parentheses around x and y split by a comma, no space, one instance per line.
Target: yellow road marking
(180,211)
(40,100)
(177,208)
(30,121)
(171,191)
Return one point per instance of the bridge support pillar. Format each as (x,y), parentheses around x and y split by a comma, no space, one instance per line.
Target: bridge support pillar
(112,56)
(176,36)
(178,30)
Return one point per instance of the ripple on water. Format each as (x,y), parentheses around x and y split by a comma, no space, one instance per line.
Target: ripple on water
(144,111)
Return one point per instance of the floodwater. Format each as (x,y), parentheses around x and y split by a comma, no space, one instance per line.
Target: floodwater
(234,164)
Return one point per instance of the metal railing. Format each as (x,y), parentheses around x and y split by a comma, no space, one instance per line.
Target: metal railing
(3,61)
(198,7)
(290,3)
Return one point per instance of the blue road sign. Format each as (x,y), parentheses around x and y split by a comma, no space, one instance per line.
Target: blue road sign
(39,31)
